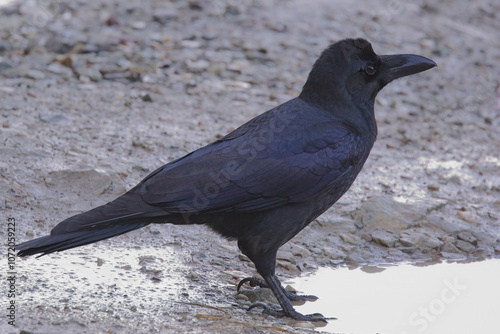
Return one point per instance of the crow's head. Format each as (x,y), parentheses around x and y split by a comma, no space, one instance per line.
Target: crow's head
(350,71)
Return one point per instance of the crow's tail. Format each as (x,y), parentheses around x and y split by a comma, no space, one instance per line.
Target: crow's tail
(125,214)
(60,242)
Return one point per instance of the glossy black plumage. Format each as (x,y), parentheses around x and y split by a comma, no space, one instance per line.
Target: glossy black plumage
(264,182)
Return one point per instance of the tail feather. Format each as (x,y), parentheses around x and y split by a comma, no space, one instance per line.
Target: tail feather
(124,214)
(59,242)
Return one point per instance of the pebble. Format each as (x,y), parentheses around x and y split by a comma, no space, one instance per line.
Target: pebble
(60,69)
(259,295)
(384,238)
(465,246)
(164,15)
(197,66)
(467,216)
(90,72)
(4,66)
(423,240)
(334,253)
(444,225)
(468,237)
(35,75)
(354,258)
(286,255)
(298,250)
(51,118)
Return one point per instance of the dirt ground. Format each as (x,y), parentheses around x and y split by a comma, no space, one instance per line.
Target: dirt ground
(95,95)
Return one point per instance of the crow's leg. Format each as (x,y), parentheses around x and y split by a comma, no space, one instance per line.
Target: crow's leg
(287,308)
(265,262)
(292,296)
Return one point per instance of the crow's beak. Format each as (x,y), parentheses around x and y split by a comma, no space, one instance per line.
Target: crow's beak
(399,66)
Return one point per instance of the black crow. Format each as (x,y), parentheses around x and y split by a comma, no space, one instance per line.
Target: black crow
(264,182)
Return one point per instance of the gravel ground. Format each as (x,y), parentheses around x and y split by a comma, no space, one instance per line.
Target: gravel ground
(94,95)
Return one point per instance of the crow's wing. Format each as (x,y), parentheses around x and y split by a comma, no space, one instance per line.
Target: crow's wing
(282,156)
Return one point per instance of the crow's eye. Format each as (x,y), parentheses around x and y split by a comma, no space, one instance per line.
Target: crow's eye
(370,70)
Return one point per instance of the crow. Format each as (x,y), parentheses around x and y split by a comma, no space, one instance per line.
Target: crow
(264,182)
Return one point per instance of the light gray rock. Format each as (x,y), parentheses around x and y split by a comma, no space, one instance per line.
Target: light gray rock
(58,68)
(90,72)
(385,238)
(381,212)
(465,246)
(438,222)
(423,240)
(35,74)
(468,237)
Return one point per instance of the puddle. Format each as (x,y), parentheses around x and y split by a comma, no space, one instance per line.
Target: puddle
(406,299)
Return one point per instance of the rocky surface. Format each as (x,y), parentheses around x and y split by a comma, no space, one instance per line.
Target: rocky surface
(94,95)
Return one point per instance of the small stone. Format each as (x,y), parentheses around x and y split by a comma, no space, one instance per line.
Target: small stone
(407,250)
(285,255)
(440,223)
(190,44)
(289,266)
(112,21)
(164,15)
(455,179)
(396,252)
(138,25)
(467,216)
(384,238)
(465,246)
(35,75)
(333,253)
(51,118)
(4,66)
(343,225)
(433,187)
(421,240)
(467,236)
(58,68)
(145,97)
(350,238)
(316,250)
(298,250)
(241,296)
(197,66)
(354,258)
(450,248)
(452,256)
(90,72)
(259,295)
(199,257)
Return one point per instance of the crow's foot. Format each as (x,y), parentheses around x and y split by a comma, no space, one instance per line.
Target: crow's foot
(292,296)
(315,317)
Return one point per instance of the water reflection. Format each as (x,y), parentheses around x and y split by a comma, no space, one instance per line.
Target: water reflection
(406,299)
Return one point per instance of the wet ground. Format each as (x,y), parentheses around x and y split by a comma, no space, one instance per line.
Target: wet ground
(95,95)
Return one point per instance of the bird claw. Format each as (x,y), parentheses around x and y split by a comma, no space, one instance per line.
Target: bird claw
(315,317)
(253,282)
(292,296)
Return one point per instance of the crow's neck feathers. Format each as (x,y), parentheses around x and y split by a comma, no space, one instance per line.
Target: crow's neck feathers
(326,85)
